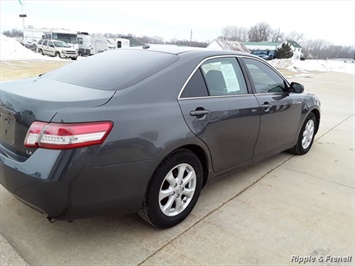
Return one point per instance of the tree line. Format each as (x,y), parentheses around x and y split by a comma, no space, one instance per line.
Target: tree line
(260,32)
(158,40)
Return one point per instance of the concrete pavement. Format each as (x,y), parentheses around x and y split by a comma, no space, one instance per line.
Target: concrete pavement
(280,211)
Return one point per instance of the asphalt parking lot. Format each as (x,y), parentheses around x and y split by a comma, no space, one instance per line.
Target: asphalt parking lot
(286,210)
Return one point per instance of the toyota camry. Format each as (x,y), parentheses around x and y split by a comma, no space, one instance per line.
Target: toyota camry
(143,130)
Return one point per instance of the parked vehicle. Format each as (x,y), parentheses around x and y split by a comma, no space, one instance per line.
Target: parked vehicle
(143,130)
(91,44)
(267,55)
(31,46)
(56,48)
(117,43)
(34,35)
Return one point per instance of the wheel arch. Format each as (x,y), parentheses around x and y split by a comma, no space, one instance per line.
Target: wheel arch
(201,154)
(317,114)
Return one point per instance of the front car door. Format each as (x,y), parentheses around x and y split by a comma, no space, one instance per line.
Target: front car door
(50,48)
(280,109)
(218,109)
(44,46)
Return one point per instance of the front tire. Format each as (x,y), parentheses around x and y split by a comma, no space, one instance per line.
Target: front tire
(306,136)
(173,190)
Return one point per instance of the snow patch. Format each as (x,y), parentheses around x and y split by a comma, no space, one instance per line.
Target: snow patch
(344,66)
(10,49)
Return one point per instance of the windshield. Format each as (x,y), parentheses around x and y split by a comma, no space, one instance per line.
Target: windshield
(60,44)
(66,37)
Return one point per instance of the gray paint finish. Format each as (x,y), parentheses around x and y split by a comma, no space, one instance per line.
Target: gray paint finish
(150,122)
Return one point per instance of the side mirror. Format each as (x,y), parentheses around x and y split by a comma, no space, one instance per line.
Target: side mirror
(51,45)
(297,87)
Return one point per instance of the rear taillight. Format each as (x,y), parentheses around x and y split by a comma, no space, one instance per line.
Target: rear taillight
(66,136)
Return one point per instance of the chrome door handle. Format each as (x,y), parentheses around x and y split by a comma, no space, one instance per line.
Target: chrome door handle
(199,112)
(266,107)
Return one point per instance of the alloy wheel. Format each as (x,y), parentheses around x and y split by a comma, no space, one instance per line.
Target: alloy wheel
(177,189)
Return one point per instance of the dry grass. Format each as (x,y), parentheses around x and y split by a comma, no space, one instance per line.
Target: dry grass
(11,70)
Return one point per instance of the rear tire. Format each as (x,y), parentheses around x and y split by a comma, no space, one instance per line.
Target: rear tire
(173,190)
(306,136)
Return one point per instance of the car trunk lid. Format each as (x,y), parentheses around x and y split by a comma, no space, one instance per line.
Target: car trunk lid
(38,99)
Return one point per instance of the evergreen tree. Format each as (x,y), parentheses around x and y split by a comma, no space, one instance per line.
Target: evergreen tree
(284,51)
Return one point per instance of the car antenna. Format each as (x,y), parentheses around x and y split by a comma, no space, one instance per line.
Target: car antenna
(146,46)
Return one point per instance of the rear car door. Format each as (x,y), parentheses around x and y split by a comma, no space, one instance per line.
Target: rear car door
(280,109)
(218,109)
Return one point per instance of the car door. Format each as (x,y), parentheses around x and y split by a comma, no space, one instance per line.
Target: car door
(50,48)
(280,109)
(44,46)
(219,110)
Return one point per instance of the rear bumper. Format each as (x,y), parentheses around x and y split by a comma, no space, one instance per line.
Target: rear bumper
(64,185)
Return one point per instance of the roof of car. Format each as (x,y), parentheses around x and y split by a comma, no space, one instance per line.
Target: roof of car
(178,50)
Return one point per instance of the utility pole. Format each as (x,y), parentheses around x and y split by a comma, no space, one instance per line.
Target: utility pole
(22,15)
(191,38)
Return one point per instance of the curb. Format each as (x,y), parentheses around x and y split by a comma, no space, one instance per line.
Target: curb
(8,255)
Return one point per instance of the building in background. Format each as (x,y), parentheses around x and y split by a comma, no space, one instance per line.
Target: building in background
(273,46)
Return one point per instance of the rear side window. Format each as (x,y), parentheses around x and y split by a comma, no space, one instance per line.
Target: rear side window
(223,77)
(113,70)
(195,87)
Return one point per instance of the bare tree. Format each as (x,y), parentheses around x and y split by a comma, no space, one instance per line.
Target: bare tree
(295,36)
(260,32)
(13,33)
(235,33)
(315,49)
(277,35)
(226,33)
(338,51)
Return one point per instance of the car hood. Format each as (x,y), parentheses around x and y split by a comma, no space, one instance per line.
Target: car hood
(65,48)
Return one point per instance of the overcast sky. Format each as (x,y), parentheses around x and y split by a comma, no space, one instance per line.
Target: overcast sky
(329,20)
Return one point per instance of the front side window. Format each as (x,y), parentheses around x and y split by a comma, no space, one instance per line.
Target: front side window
(264,78)
(223,76)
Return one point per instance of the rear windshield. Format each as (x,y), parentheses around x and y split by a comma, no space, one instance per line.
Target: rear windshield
(113,70)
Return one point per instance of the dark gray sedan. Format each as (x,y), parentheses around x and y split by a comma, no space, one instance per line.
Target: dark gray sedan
(143,130)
